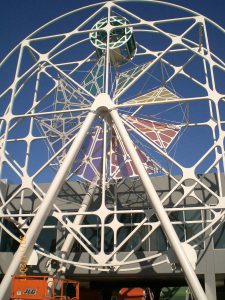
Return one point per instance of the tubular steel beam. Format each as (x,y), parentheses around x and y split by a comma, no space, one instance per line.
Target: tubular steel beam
(174,241)
(68,243)
(25,249)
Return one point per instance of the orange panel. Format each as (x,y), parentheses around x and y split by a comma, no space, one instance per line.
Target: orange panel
(131,294)
(36,288)
(29,289)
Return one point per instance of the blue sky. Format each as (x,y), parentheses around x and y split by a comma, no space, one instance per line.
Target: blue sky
(18,18)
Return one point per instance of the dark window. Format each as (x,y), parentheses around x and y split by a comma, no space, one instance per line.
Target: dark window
(47,237)
(8,244)
(219,237)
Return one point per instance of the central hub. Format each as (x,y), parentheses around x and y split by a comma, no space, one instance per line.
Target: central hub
(102,103)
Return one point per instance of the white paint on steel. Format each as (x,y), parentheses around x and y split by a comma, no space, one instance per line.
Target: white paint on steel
(43,64)
(45,208)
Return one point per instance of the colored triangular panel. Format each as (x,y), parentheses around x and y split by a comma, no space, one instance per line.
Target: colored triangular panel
(121,165)
(161,134)
(89,162)
(159,95)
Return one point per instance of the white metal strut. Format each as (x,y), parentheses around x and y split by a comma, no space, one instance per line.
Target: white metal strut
(35,228)
(104,105)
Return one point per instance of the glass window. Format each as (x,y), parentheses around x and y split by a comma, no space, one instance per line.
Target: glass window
(93,235)
(179,228)
(134,240)
(121,235)
(194,228)
(109,241)
(158,240)
(47,237)
(191,230)
(219,237)
(191,215)
(8,244)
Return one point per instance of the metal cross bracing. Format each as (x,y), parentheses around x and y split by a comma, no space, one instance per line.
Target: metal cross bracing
(59,130)
(72,115)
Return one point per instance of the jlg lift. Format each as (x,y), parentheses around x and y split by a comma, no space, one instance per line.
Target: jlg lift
(44,288)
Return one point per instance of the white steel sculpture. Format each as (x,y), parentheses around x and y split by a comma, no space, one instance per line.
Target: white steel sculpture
(111,96)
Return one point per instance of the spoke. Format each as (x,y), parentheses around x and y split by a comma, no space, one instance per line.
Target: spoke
(125,111)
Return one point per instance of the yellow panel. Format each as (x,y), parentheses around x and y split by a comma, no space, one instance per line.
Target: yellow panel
(162,94)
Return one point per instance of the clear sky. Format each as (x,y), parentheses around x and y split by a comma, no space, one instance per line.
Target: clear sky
(18,18)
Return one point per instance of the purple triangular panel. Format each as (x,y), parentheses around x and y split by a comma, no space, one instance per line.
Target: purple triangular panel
(121,165)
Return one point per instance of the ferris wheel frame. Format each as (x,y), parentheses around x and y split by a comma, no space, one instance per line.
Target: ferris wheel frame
(104,105)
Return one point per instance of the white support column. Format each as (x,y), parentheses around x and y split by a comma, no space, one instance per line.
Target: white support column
(210,285)
(34,230)
(67,245)
(174,241)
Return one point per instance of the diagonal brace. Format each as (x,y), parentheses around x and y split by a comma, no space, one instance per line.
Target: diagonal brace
(170,232)
(25,249)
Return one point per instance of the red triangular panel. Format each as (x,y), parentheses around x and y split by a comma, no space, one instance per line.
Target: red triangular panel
(161,134)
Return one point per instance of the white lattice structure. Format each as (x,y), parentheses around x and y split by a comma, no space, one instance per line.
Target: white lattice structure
(70,112)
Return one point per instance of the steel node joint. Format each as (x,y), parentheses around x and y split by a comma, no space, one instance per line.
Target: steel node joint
(102,103)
